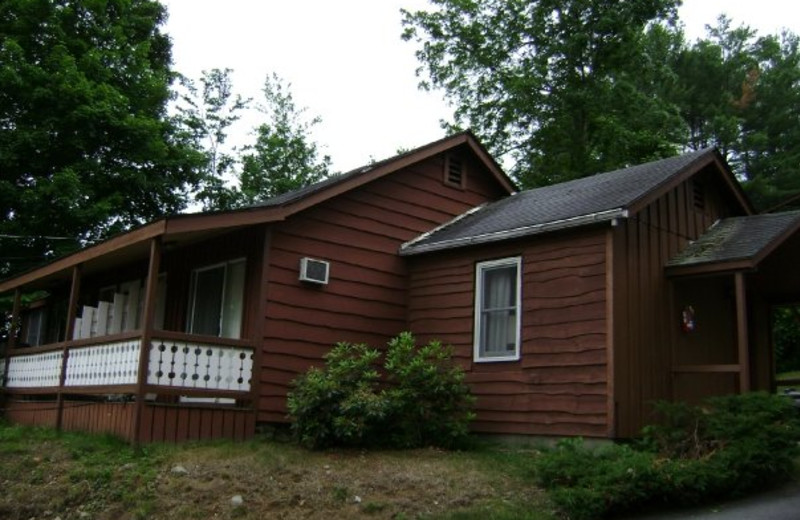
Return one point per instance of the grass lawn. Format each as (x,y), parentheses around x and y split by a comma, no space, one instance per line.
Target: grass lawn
(787,375)
(45,474)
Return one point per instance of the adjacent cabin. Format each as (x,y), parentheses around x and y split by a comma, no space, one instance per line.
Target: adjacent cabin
(571,308)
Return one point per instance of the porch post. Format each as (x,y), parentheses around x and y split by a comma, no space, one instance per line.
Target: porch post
(741,333)
(147,334)
(12,334)
(72,311)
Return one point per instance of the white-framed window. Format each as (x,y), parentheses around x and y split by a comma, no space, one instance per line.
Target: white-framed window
(497,309)
(35,327)
(216,300)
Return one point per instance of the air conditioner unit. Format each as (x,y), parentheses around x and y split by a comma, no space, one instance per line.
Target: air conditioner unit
(314,271)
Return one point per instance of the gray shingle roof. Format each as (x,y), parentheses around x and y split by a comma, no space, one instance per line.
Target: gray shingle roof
(590,199)
(736,238)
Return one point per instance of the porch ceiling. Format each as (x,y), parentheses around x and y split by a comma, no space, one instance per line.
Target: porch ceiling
(736,244)
(118,251)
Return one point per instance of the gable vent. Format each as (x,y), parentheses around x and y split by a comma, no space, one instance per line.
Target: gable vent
(454,171)
(698,194)
(314,271)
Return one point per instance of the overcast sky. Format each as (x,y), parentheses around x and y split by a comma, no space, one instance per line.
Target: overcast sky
(346,62)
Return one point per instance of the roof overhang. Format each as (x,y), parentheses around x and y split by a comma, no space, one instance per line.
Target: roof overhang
(750,262)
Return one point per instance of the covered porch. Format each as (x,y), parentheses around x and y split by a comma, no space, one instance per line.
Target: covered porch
(725,286)
(151,335)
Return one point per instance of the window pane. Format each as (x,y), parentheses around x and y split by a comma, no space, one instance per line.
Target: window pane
(499,287)
(207,305)
(234,301)
(497,318)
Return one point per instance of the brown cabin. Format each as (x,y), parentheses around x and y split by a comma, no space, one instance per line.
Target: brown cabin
(570,307)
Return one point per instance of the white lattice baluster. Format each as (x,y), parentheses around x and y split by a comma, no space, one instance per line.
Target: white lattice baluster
(113,361)
(35,370)
(132,366)
(193,366)
(229,370)
(156,369)
(246,372)
(212,367)
(101,355)
(73,364)
(207,366)
(175,365)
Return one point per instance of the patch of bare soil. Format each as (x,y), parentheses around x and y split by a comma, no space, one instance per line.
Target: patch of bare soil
(49,479)
(327,485)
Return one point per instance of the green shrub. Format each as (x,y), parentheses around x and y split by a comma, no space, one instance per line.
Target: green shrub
(428,400)
(340,404)
(751,439)
(726,447)
(422,400)
(591,483)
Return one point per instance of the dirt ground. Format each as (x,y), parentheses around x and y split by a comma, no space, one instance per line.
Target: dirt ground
(52,479)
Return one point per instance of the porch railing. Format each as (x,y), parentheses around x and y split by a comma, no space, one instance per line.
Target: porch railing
(174,360)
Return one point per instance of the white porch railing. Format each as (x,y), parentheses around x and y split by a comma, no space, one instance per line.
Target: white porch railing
(35,370)
(114,363)
(200,365)
(171,363)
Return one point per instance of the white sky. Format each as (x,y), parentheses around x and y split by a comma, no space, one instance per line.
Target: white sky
(347,64)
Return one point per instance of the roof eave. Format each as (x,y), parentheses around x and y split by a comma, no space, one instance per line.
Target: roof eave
(146,232)
(711,268)
(520,232)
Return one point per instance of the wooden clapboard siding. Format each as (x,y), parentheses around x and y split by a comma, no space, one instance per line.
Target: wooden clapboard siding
(162,423)
(360,233)
(644,308)
(559,386)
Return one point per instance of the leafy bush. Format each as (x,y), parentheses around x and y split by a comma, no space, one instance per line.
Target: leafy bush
(338,405)
(730,445)
(428,400)
(591,483)
(752,439)
(422,400)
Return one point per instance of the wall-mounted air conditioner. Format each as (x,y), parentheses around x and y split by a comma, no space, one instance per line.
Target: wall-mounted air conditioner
(314,271)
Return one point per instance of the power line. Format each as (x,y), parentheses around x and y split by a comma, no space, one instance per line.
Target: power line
(27,237)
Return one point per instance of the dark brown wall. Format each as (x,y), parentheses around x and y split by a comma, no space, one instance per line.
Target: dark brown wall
(178,264)
(360,234)
(645,320)
(559,386)
(713,341)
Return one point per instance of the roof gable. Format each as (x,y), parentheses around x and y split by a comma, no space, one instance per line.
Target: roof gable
(592,199)
(280,207)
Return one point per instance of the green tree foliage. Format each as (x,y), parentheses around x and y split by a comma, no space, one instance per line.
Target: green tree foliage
(786,338)
(565,88)
(283,157)
(86,148)
(739,92)
(769,155)
(571,88)
(206,114)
